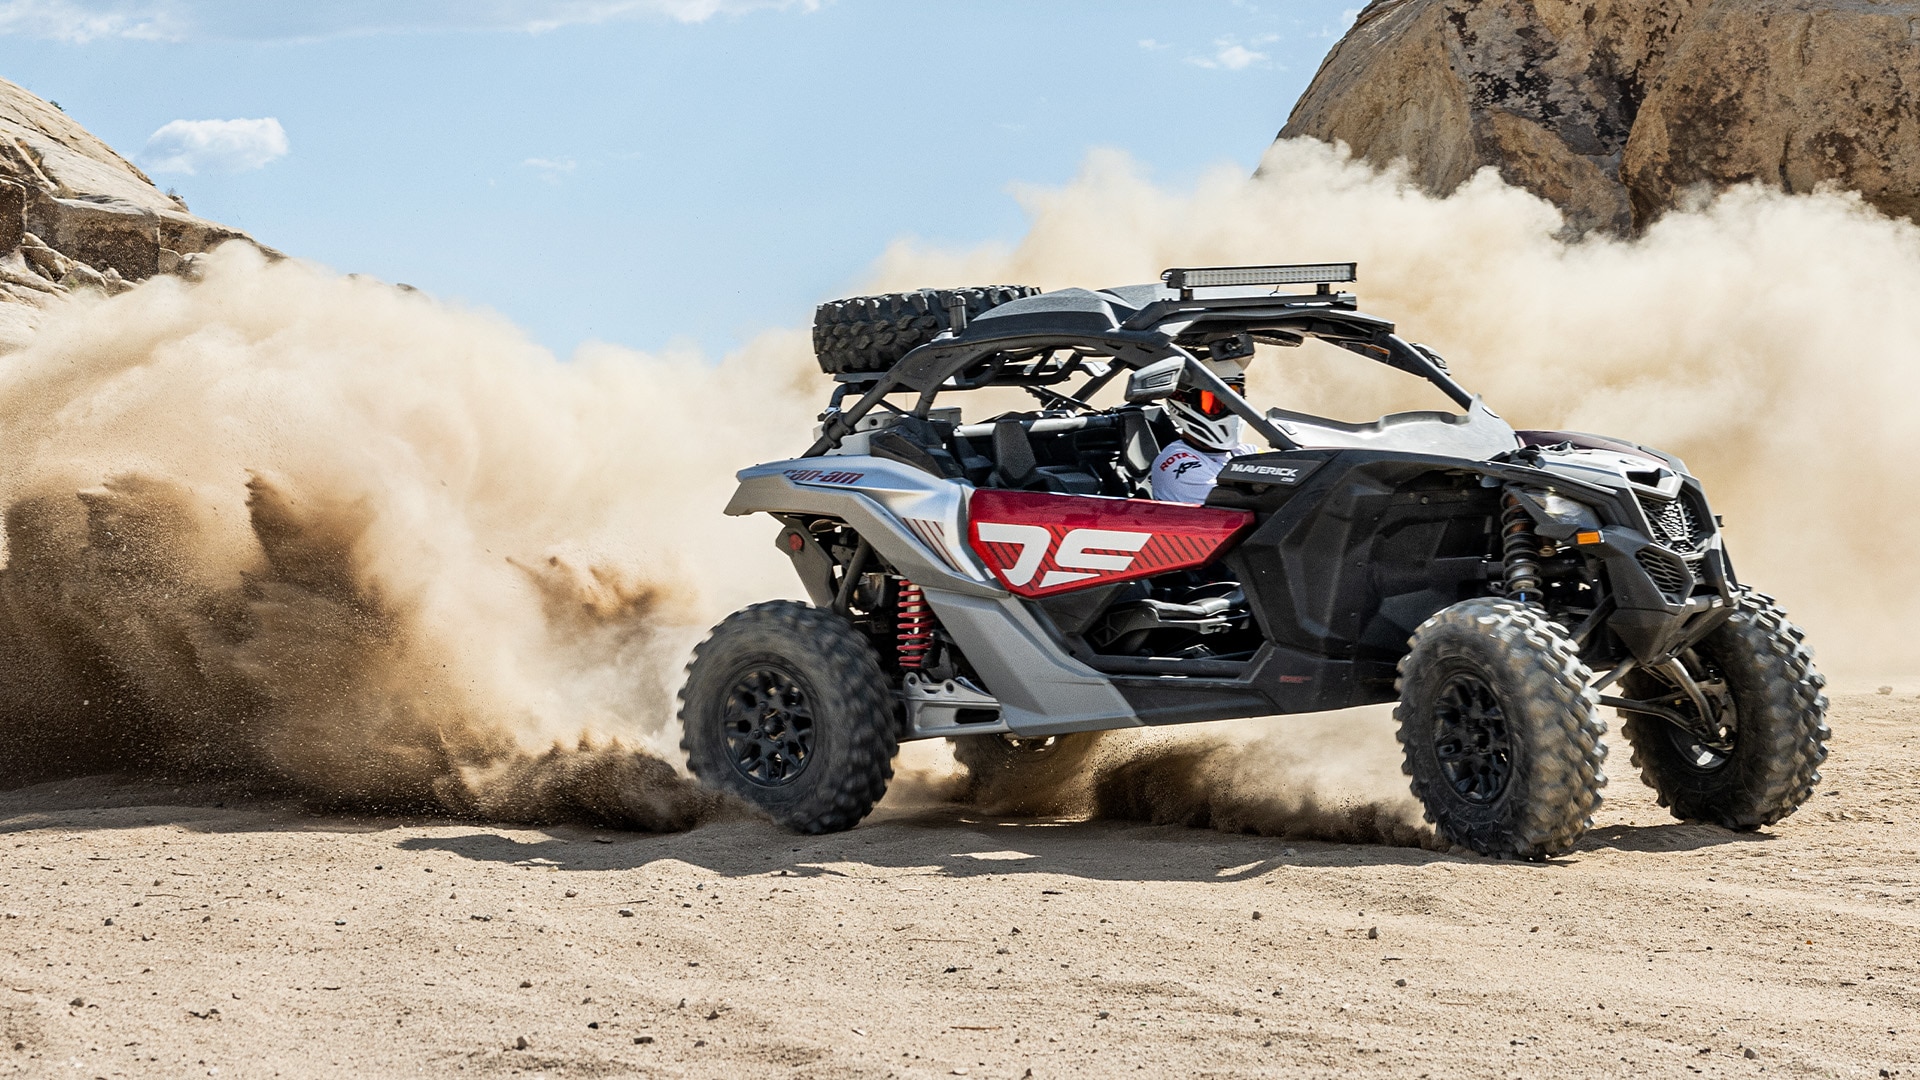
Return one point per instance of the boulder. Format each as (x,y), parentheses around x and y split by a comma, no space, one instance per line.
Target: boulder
(74,214)
(1792,93)
(1614,109)
(13,214)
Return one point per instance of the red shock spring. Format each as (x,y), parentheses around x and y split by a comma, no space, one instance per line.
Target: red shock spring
(916,625)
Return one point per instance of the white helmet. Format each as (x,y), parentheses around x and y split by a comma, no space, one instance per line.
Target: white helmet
(1201,418)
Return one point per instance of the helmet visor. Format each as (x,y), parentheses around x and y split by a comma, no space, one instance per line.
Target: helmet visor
(1209,404)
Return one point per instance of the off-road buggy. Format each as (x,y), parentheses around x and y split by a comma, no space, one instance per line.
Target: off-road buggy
(1004,584)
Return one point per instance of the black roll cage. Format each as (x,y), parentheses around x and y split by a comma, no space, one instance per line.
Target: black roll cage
(980,355)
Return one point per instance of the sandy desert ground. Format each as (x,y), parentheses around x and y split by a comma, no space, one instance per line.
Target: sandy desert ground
(157,932)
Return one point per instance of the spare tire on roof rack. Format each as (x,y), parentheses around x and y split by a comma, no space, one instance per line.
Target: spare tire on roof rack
(872,333)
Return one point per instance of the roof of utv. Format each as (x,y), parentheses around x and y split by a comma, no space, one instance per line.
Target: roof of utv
(1048,338)
(1133,325)
(1136,325)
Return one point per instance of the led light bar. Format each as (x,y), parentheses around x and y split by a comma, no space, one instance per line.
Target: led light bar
(1219,277)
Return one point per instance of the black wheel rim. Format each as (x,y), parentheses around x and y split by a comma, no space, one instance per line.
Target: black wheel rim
(1471,740)
(768,722)
(1698,754)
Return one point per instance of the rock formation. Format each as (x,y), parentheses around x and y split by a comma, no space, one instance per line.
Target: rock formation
(76,215)
(1616,109)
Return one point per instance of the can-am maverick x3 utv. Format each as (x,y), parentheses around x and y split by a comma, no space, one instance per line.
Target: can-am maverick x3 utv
(1004,584)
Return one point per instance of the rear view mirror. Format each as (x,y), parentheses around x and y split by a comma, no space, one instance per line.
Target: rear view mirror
(1156,381)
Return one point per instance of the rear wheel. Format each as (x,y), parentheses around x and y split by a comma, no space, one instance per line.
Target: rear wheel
(785,706)
(872,333)
(1501,733)
(1758,757)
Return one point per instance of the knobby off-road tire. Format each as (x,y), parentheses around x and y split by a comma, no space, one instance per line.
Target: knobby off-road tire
(872,333)
(1778,725)
(785,706)
(1500,730)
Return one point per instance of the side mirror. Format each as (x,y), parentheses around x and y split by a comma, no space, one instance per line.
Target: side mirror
(1157,381)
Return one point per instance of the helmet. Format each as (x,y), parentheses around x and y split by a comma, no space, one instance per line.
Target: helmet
(1202,418)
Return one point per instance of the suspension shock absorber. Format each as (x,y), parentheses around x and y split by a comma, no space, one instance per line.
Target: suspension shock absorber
(916,626)
(1520,550)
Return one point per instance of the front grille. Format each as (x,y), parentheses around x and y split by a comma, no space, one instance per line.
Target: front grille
(1675,523)
(1668,571)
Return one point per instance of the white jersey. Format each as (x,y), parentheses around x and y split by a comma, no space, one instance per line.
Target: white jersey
(1184,473)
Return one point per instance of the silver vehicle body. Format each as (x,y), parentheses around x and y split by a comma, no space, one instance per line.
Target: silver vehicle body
(1027,677)
(916,522)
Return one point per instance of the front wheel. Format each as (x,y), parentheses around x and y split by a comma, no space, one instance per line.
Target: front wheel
(1759,757)
(1501,733)
(785,706)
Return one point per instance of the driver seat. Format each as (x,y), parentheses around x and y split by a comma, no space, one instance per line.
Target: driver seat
(1139,447)
(1018,467)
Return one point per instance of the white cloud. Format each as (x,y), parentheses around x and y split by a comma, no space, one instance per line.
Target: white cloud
(551,169)
(682,10)
(70,21)
(1151,45)
(216,146)
(1230,56)
(1235,57)
(81,21)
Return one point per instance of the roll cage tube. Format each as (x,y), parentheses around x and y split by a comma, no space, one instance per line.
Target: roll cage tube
(1396,353)
(1328,317)
(945,369)
(930,367)
(941,363)
(1198,374)
(1405,356)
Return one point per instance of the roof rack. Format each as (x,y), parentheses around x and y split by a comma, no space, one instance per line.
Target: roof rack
(1187,279)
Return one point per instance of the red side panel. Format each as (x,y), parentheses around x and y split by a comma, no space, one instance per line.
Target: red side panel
(1039,545)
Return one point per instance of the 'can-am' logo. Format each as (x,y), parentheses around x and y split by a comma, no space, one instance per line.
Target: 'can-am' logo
(1096,551)
(822,476)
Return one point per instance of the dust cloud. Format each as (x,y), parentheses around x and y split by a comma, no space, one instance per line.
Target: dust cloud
(323,536)
(1769,340)
(1330,777)
(316,535)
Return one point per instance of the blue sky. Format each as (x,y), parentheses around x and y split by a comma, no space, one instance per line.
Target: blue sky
(654,172)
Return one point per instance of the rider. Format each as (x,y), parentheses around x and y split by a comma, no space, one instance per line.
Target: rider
(1209,435)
